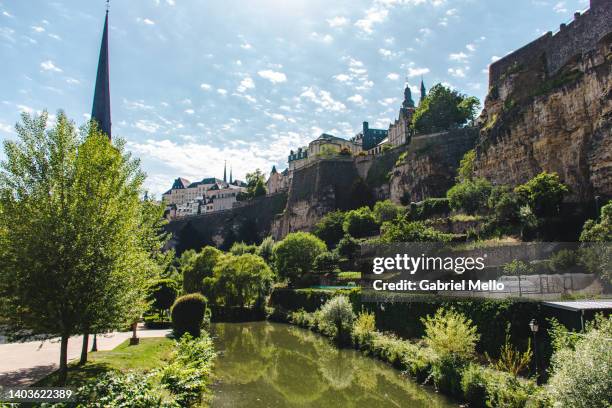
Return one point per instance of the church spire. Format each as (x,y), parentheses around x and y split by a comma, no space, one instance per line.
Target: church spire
(101,111)
(225,171)
(408,102)
(231,179)
(423,93)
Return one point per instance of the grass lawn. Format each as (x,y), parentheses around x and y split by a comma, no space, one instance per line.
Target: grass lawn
(149,354)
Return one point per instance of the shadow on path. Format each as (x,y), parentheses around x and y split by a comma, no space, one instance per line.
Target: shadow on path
(24,377)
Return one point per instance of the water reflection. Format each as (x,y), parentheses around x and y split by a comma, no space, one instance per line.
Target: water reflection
(265,364)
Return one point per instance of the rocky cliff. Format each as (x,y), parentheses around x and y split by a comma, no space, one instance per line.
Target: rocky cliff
(535,121)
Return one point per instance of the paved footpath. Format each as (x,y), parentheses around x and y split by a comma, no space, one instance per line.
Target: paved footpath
(22,364)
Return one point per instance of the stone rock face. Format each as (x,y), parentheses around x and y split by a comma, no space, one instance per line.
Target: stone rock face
(429,165)
(533,122)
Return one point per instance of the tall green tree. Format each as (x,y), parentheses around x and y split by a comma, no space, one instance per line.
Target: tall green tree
(444,108)
(75,256)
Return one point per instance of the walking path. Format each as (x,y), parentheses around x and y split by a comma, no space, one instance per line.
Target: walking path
(22,364)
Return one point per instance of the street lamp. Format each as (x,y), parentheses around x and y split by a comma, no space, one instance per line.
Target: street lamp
(533,326)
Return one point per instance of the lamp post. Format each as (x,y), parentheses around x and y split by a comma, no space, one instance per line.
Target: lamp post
(533,326)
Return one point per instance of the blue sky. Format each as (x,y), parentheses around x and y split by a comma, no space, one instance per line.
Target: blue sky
(194,82)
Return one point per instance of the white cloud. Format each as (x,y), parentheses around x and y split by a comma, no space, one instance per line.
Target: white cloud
(246,83)
(560,7)
(342,77)
(451,12)
(205,87)
(26,109)
(170,2)
(49,66)
(457,72)
(393,76)
(356,99)
(246,46)
(458,56)
(338,21)
(412,72)
(323,99)
(385,53)
(145,21)
(387,101)
(373,16)
(146,126)
(189,111)
(470,47)
(6,128)
(325,38)
(7,14)
(72,81)
(273,76)
(136,105)
(55,37)
(495,58)
(38,29)
(222,91)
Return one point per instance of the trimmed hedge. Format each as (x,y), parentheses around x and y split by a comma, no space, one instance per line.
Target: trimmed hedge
(188,314)
(403,312)
(428,208)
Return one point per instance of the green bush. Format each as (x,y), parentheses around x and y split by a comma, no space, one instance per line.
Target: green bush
(428,208)
(401,230)
(505,205)
(240,248)
(543,193)
(329,228)
(265,249)
(465,171)
(294,256)
(162,294)
(363,329)
(200,267)
(474,385)
(386,211)
(446,373)
(470,195)
(360,223)
(599,231)
(337,318)
(582,371)
(327,262)
(188,314)
(448,332)
(347,247)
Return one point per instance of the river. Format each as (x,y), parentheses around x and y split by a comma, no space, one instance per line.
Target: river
(263,364)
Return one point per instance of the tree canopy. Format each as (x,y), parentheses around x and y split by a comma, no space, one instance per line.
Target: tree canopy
(444,108)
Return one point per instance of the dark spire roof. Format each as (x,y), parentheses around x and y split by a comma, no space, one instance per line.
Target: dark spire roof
(101,111)
(230,175)
(408,102)
(423,93)
(225,171)
(273,169)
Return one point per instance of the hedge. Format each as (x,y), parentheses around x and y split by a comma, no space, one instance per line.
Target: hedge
(428,208)
(401,313)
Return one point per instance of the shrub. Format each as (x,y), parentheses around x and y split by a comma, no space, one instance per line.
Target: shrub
(428,208)
(337,317)
(465,171)
(386,211)
(327,262)
(446,372)
(294,255)
(240,248)
(329,228)
(347,247)
(411,231)
(162,294)
(244,280)
(511,360)
(469,195)
(505,205)
(599,231)
(582,374)
(473,385)
(360,223)
(363,329)
(450,333)
(265,249)
(543,193)
(199,268)
(188,314)
(301,318)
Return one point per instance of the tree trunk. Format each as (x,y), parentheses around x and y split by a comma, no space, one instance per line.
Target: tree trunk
(83,359)
(63,364)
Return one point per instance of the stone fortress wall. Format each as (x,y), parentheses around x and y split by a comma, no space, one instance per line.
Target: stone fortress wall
(579,36)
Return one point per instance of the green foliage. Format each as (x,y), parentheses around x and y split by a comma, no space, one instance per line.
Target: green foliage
(469,195)
(162,293)
(240,248)
(442,109)
(329,228)
(256,184)
(450,333)
(265,249)
(326,262)
(386,211)
(466,166)
(474,385)
(347,247)
(511,360)
(78,244)
(428,208)
(582,374)
(360,223)
(504,205)
(337,318)
(198,267)
(599,231)
(295,254)
(364,328)
(242,281)
(543,193)
(189,375)
(402,230)
(188,314)
(516,267)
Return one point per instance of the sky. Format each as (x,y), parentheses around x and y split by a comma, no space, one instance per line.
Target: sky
(195,83)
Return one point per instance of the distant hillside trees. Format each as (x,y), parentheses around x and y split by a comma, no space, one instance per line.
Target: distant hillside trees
(444,108)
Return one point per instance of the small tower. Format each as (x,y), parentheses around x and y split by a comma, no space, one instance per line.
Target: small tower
(408,102)
(231,179)
(225,171)
(101,111)
(423,93)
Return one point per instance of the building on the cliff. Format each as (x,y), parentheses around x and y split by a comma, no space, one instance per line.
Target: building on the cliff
(369,138)
(400,131)
(278,181)
(201,197)
(323,146)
